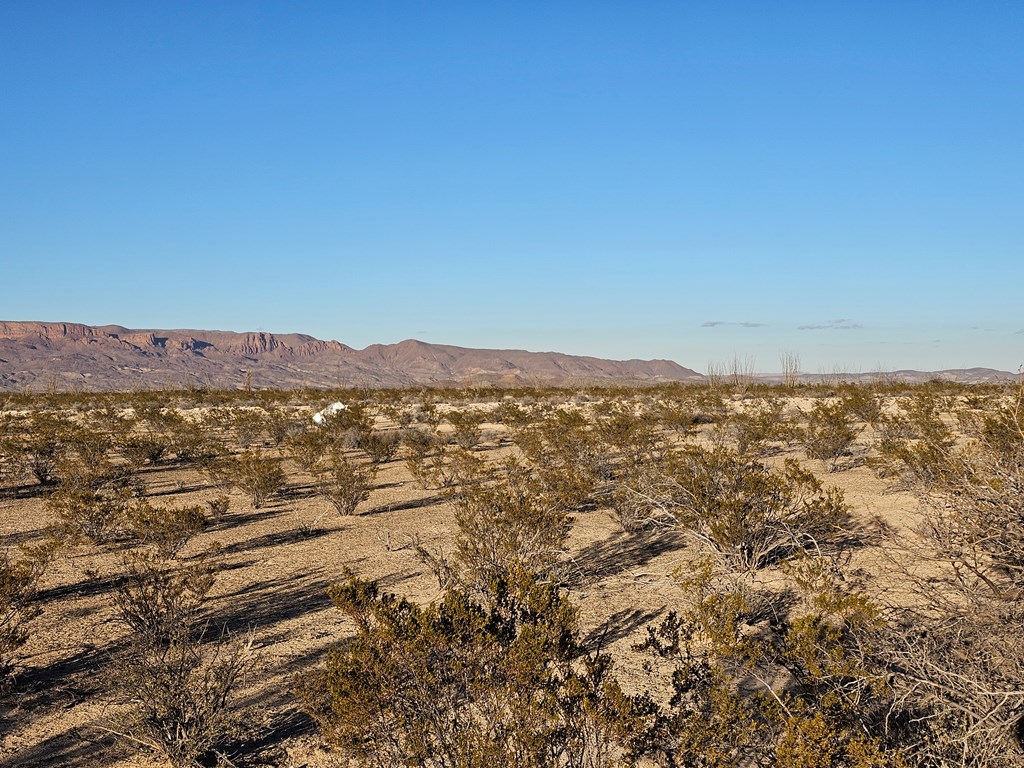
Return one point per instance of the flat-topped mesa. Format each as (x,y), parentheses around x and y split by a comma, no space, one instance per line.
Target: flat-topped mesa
(22,330)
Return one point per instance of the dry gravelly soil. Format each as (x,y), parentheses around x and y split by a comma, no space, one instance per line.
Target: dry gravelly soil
(278,561)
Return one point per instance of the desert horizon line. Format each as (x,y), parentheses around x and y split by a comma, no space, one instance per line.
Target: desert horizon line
(730,365)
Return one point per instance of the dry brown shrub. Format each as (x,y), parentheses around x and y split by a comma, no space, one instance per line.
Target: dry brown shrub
(182,684)
(745,513)
(470,683)
(506,521)
(345,483)
(19,586)
(830,432)
(253,473)
(761,428)
(957,654)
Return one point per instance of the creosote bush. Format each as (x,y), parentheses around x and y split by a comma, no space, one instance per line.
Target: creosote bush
(760,426)
(381,447)
(280,424)
(142,449)
(345,483)
(745,513)
(508,523)
(35,445)
(957,654)
(19,585)
(248,426)
(863,403)
(308,448)
(753,686)
(830,432)
(568,457)
(465,428)
(181,680)
(160,600)
(914,446)
(96,512)
(255,474)
(776,659)
(467,684)
(218,506)
(165,529)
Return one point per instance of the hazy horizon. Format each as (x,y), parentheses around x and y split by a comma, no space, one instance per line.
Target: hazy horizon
(693,183)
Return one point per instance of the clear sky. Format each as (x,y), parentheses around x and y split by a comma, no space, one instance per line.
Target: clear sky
(687,180)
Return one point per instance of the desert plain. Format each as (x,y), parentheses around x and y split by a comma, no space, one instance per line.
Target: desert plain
(605,461)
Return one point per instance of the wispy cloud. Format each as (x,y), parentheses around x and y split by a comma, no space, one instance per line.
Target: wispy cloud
(744,324)
(836,325)
(1020,332)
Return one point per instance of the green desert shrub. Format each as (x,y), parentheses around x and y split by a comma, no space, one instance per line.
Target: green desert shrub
(307,449)
(248,426)
(19,585)
(192,439)
(346,428)
(915,446)
(180,683)
(745,513)
(864,403)
(511,414)
(830,432)
(420,446)
(159,599)
(166,529)
(257,475)
(755,685)
(345,483)
(508,523)
(218,506)
(760,427)
(96,511)
(466,431)
(567,455)
(381,446)
(467,684)
(444,467)
(627,436)
(280,424)
(679,416)
(35,445)
(146,448)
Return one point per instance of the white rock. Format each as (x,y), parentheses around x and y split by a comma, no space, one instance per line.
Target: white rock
(320,417)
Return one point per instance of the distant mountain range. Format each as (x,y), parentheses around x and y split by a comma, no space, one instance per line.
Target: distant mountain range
(72,356)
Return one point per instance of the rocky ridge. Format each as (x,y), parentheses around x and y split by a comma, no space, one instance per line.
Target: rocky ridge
(40,355)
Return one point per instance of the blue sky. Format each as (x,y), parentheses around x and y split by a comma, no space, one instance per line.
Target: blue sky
(692,181)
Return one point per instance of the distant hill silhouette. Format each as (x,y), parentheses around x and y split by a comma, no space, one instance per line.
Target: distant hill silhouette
(37,355)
